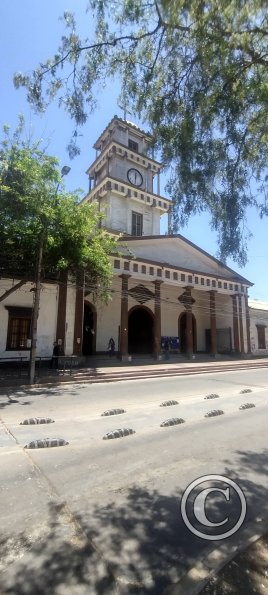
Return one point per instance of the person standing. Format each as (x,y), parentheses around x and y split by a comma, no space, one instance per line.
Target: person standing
(111,347)
(166,349)
(55,357)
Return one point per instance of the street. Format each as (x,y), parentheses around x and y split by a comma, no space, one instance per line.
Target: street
(103,516)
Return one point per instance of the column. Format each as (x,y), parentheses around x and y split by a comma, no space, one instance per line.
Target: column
(235,325)
(157,318)
(124,317)
(189,322)
(61,316)
(248,324)
(79,314)
(241,324)
(213,324)
(158,183)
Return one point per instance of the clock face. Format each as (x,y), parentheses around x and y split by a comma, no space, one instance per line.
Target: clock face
(134,177)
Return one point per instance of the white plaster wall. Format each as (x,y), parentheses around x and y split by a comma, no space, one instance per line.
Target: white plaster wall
(244,323)
(118,213)
(258,317)
(108,318)
(170,310)
(118,168)
(177,252)
(147,218)
(156,222)
(224,313)
(200,311)
(70,316)
(122,137)
(47,320)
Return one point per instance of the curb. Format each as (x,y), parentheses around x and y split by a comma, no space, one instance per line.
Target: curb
(194,581)
(118,376)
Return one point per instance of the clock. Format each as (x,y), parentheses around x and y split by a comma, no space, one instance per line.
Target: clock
(134,177)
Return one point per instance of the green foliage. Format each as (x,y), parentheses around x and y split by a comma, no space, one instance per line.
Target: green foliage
(196,72)
(35,206)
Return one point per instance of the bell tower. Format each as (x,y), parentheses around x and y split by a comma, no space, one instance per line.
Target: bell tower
(125,181)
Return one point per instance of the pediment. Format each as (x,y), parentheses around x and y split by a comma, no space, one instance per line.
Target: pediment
(181,253)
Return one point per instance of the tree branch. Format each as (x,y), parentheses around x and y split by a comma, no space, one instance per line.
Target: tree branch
(12,289)
(102,44)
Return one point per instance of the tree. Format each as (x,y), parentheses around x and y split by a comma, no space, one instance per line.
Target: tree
(44,229)
(196,73)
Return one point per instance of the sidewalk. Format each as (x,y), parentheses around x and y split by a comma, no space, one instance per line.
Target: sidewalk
(105,369)
(247,573)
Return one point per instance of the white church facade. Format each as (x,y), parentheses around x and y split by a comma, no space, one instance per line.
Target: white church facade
(164,286)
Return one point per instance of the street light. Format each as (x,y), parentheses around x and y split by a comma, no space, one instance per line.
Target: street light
(65,170)
(37,291)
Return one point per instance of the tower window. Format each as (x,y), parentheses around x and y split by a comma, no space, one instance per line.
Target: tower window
(133,145)
(136,224)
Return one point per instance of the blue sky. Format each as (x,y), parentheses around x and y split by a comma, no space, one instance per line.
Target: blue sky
(30,31)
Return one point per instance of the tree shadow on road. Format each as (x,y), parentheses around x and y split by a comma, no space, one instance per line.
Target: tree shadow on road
(133,541)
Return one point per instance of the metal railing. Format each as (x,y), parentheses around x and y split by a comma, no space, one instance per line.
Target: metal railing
(18,365)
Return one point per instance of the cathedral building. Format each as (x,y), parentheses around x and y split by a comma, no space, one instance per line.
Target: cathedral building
(164,286)
(165,290)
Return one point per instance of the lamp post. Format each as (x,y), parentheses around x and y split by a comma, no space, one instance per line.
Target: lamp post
(37,291)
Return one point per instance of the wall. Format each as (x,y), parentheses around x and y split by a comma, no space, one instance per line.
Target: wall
(46,330)
(108,317)
(118,215)
(178,252)
(258,316)
(70,315)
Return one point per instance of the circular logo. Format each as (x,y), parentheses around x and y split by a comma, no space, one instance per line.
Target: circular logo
(211,503)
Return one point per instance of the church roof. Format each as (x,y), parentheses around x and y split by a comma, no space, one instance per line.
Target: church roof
(113,122)
(163,238)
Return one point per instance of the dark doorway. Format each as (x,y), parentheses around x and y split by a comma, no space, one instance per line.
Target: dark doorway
(140,331)
(182,332)
(89,330)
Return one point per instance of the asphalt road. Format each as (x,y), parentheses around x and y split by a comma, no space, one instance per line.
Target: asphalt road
(103,516)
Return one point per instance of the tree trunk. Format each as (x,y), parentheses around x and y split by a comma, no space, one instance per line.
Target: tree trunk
(36,312)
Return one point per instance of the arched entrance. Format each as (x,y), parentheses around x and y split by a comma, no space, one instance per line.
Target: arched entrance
(89,329)
(182,332)
(140,330)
